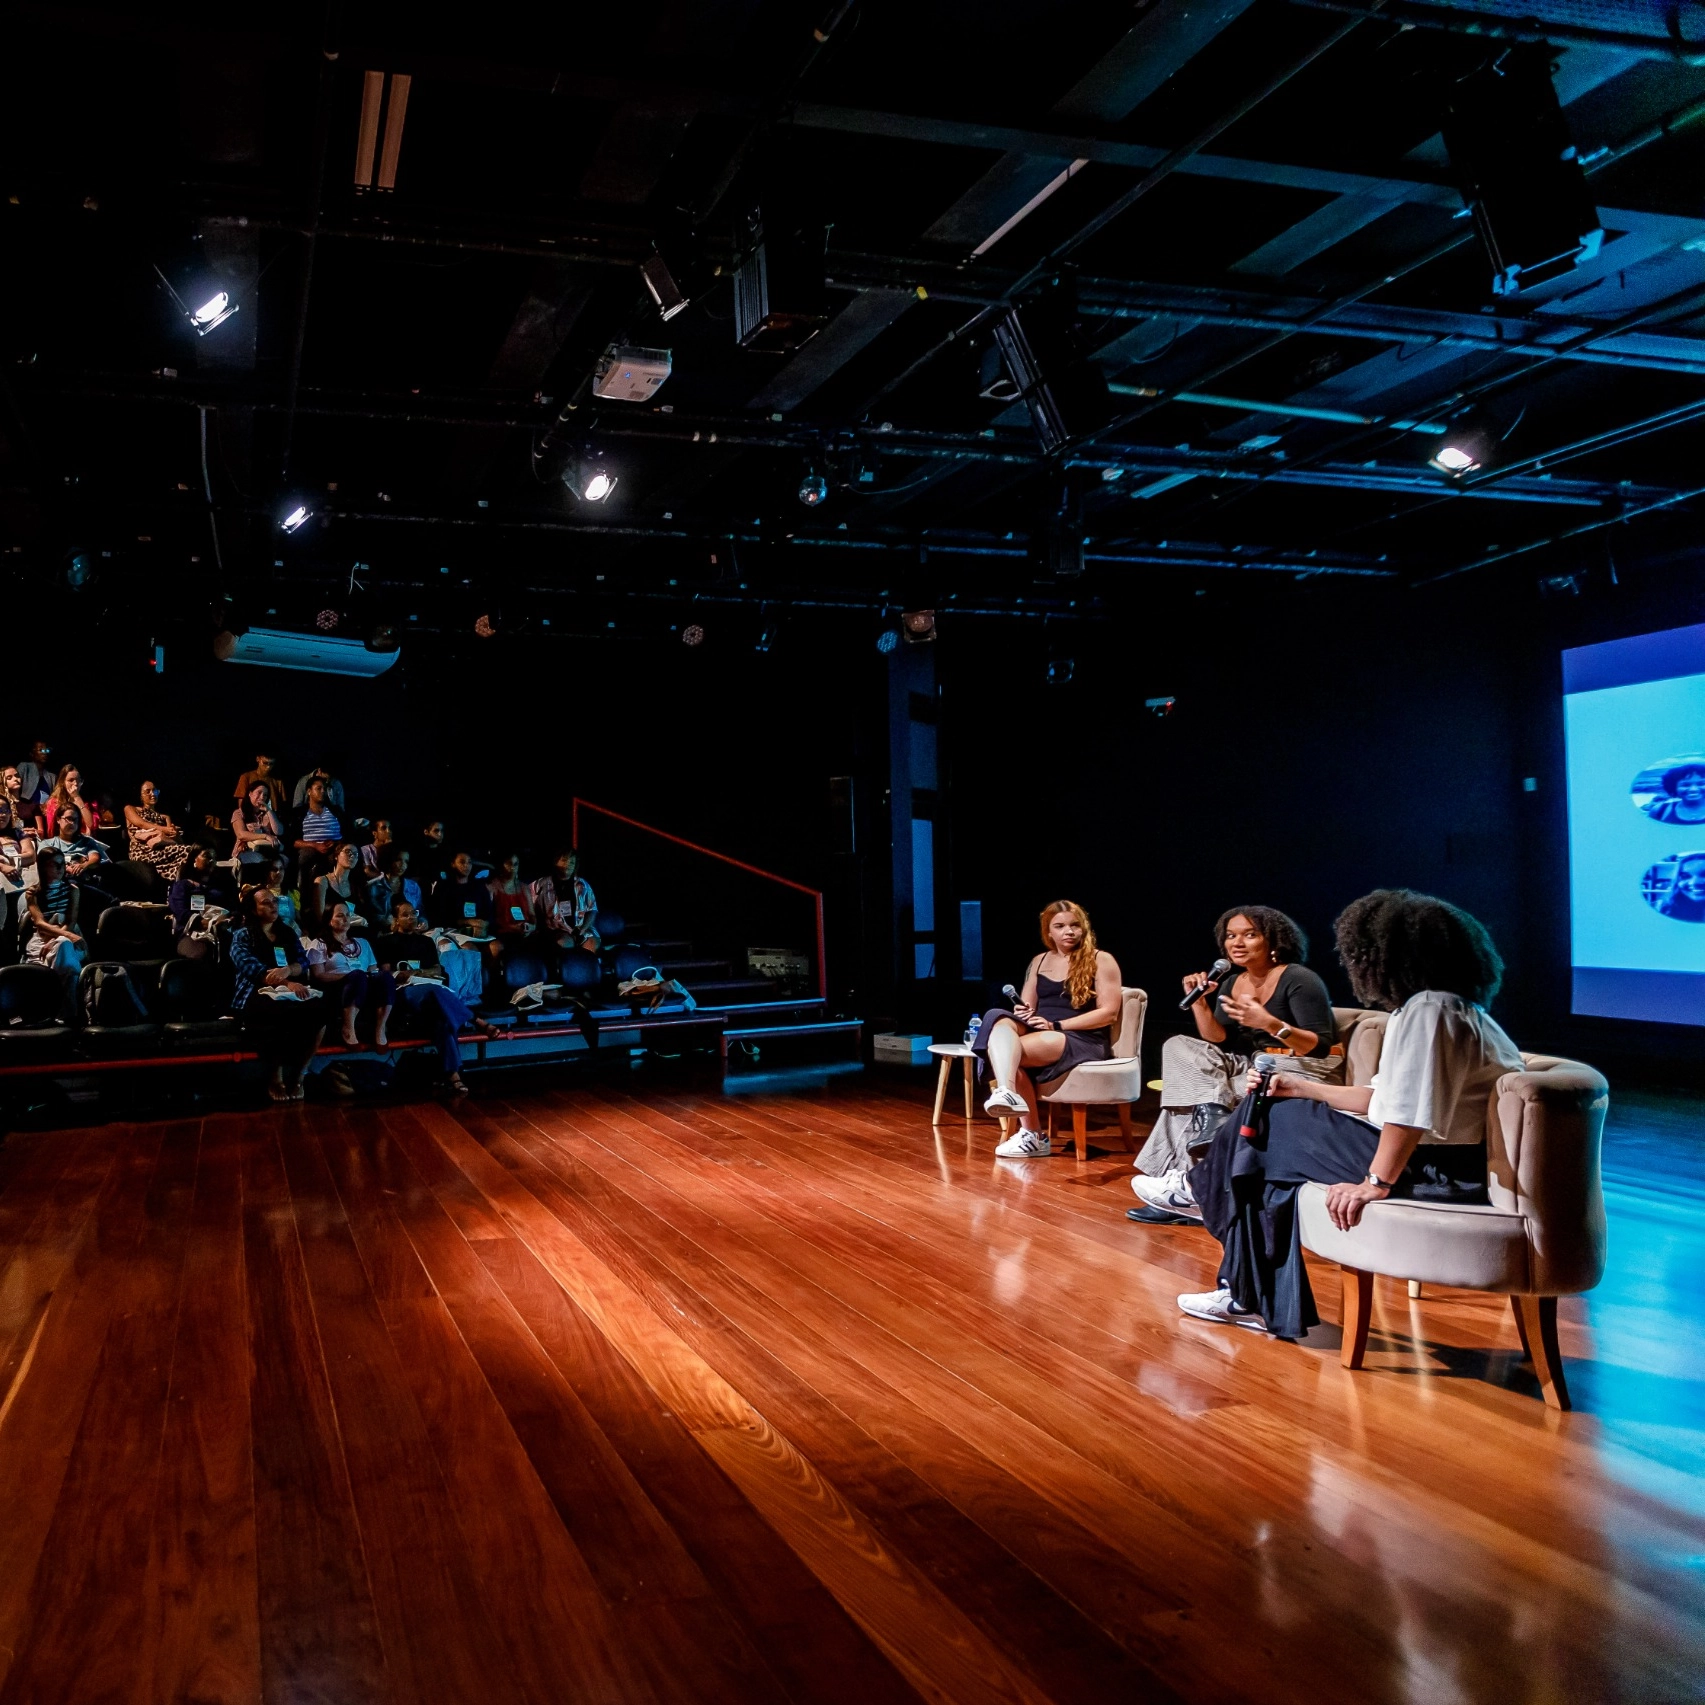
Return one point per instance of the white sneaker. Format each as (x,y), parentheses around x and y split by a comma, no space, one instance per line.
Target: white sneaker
(1002,1102)
(1024,1145)
(1218,1307)
(1170,1192)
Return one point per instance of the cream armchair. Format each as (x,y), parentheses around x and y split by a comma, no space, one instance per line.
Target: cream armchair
(1116,1082)
(1541,1236)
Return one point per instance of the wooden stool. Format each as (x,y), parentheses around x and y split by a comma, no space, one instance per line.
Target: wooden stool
(947,1053)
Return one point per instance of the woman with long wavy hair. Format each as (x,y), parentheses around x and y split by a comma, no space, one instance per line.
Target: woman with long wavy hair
(1064,1016)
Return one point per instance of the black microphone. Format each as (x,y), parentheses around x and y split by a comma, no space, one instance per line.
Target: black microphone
(1221,966)
(1010,992)
(1259,1097)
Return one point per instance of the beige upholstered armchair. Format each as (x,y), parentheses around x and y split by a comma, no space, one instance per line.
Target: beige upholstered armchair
(1541,1236)
(1116,1082)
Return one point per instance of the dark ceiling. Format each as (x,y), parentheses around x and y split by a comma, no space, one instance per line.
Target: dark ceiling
(1247,199)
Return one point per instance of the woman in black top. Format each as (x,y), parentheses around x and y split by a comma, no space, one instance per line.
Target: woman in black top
(1270,1001)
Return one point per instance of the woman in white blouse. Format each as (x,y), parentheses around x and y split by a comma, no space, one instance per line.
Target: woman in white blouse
(344,966)
(1435,969)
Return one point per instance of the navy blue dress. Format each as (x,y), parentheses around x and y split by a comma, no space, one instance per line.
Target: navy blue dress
(1053,1003)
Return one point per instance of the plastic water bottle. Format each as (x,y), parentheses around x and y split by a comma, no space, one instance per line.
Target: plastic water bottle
(971,1030)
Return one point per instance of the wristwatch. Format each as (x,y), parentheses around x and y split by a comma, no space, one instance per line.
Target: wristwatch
(1377,1182)
(1282,1034)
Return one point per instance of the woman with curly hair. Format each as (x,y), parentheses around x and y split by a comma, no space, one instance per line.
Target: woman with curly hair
(1269,1000)
(1434,968)
(1064,1015)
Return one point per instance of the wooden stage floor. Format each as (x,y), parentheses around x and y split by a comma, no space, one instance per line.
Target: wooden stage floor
(612,1393)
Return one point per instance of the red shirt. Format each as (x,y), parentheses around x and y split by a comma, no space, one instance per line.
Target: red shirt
(510,912)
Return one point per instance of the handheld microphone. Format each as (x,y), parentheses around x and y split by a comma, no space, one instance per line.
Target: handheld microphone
(1258,1099)
(1010,992)
(1221,966)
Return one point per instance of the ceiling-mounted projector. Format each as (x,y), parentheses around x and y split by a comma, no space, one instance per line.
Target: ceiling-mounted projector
(318,653)
(629,374)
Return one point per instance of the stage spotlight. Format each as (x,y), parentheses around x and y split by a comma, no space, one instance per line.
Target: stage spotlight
(665,289)
(766,637)
(692,634)
(383,638)
(1061,670)
(296,519)
(326,621)
(1467,444)
(887,642)
(813,489)
(485,626)
(79,568)
(589,479)
(918,626)
(215,311)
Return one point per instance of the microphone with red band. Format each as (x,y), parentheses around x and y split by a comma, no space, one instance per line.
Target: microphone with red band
(1259,1098)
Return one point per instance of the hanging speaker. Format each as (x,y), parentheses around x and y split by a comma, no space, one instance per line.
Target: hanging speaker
(1518,171)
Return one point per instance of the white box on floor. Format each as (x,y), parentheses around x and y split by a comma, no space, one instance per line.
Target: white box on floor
(898,1048)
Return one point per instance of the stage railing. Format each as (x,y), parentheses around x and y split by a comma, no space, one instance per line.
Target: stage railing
(816,894)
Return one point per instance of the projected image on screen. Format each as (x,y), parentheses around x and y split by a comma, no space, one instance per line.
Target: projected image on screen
(1634,721)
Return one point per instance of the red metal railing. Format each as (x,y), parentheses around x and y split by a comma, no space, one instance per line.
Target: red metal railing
(722,858)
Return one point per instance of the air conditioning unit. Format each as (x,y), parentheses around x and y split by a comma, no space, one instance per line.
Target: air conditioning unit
(631,375)
(317,653)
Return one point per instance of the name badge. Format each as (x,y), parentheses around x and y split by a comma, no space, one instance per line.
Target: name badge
(198,902)
(469,909)
(281,958)
(411,964)
(515,913)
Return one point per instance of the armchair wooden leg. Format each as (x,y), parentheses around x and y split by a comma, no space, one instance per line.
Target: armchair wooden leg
(1536,1321)
(970,1079)
(940,1090)
(1414,1287)
(1125,1126)
(1358,1308)
(1080,1130)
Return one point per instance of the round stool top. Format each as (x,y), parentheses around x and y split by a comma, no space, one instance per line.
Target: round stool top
(949,1050)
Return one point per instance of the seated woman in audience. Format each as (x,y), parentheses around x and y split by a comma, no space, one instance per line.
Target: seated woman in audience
(374,848)
(270,876)
(1064,1016)
(345,882)
(437,1012)
(286,1028)
(259,834)
(154,838)
(392,886)
(67,806)
(1271,1000)
(565,906)
(51,933)
(432,856)
(17,859)
(26,813)
(345,968)
(1435,969)
(511,900)
(316,833)
(198,890)
(459,902)
(464,967)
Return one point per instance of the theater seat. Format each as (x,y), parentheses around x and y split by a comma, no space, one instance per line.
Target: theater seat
(116,1019)
(193,1003)
(1541,1236)
(609,926)
(524,962)
(32,999)
(626,960)
(579,972)
(135,934)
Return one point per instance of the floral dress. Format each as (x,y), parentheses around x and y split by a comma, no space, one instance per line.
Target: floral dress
(169,857)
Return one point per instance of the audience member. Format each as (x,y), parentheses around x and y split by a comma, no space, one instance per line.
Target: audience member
(565,906)
(195,891)
(258,833)
(459,902)
(511,900)
(1270,1001)
(463,967)
(17,856)
(392,886)
(1422,1118)
(26,813)
(51,930)
(154,838)
(271,877)
(373,850)
(67,796)
(80,850)
(432,856)
(316,833)
(262,775)
(344,966)
(282,1015)
(345,882)
(36,777)
(334,789)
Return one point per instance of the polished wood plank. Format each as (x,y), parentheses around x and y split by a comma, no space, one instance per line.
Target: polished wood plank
(661,1394)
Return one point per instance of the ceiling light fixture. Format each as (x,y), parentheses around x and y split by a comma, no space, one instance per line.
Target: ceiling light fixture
(918,626)
(692,634)
(813,489)
(590,479)
(296,519)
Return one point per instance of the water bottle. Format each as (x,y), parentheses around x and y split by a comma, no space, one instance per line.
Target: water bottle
(972,1028)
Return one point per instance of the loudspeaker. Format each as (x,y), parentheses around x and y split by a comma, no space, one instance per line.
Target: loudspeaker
(843,822)
(1518,172)
(780,293)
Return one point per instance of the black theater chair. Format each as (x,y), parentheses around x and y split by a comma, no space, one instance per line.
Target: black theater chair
(194,1004)
(579,973)
(610,926)
(137,936)
(31,1002)
(116,1019)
